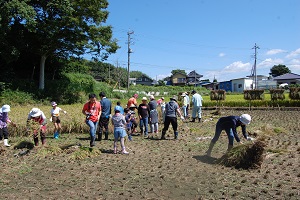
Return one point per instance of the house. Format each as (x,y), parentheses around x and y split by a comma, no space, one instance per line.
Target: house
(225,85)
(178,79)
(210,86)
(193,78)
(289,78)
(144,80)
(132,81)
(241,84)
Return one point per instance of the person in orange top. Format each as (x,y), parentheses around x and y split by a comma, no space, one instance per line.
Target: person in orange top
(92,112)
(132,100)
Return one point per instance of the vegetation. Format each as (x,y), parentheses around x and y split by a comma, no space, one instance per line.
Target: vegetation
(278,70)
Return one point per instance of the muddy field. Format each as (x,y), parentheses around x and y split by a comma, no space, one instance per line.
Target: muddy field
(156,169)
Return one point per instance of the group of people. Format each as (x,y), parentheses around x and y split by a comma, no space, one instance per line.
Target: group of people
(124,120)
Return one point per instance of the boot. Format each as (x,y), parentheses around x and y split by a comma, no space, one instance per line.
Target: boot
(92,142)
(36,141)
(193,120)
(176,135)
(56,135)
(211,145)
(106,135)
(199,119)
(6,143)
(163,136)
(99,136)
(43,140)
(229,147)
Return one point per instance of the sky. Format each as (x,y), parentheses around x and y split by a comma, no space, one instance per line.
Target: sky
(214,37)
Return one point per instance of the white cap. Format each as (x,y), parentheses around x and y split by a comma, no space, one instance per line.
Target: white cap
(35,112)
(144,99)
(245,119)
(5,108)
(151,97)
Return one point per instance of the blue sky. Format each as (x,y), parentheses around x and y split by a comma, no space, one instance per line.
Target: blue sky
(213,37)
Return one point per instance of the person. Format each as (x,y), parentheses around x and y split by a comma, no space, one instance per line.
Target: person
(55,118)
(144,112)
(171,109)
(229,124)
(129,116)
(36,122)
(188,103)
(163,108)
(184,105)
(132,100)
(92,112)
(197,104)
(105,116)
(119,107)
(153,115)
(119,123)
(133,120)
(4,121)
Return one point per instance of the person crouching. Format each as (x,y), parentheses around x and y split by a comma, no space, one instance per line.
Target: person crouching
(36,122)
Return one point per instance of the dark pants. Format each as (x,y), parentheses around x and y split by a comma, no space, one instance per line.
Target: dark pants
(3,132)
(168,121)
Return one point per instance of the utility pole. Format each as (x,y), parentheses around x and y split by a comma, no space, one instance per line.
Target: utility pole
(129,52)
(254,67)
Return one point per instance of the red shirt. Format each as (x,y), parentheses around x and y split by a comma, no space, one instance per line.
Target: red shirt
(132,100)
(93,109)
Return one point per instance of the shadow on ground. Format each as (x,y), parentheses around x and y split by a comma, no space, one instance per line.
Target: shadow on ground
(206,159)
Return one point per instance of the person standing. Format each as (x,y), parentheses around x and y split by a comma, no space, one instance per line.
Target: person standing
(4,121)
(197,104)
(184,105)
(36,122)
(119,123)
(92,112)
(105,116)
(188,103)
(172,109)
(55,118)
(153,115)
(132,100)
(144,112)
(229,124)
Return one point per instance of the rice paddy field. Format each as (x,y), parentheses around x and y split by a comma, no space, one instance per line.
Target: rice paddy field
(68,168)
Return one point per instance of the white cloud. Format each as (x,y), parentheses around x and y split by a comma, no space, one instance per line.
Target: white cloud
(294,66)
(237,66)
(222,54)
(294,53)
(269,62)
(161,76)
(275,51)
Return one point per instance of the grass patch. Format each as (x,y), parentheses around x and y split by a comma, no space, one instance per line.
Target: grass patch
(84,152)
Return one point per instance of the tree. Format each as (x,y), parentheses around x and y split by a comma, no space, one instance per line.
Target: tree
(278,70)
(138,74)
(65,28)
(178,71)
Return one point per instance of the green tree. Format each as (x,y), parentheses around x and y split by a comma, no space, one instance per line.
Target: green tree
(278,70)
(138,74)
(65,28)
(178,71)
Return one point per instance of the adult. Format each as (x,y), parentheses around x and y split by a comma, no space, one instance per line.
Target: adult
(92,112)
(4,121)
(153,115)
(188,103)
(144,112)
(229,124)
(184,104)
(119,107)
(197,104)
(56,119)
(36,122)
(132,100)
(105,116)
(163,108)
(171,109)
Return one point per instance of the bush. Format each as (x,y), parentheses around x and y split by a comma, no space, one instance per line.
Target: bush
(16,97)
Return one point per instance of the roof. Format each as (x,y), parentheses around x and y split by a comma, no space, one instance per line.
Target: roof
(287,76)
(193,74)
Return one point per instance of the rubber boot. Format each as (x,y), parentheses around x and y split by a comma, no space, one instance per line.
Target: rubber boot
(43,140)
(199,119)
(229,147)
(163,137)
(36,141)
(176,135)
(99,136)
(92,142)
(106,135)
(193,120)
(56,135)
(211,146)
(6,143)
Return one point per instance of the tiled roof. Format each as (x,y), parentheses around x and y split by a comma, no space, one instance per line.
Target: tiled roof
(287,76)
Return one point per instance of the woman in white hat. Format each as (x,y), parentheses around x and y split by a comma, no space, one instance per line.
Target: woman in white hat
(36,121)
(55,118)
(4,120)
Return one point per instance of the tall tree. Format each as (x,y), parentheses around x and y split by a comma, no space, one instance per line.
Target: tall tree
(67,28)
(178,71)
(278,70)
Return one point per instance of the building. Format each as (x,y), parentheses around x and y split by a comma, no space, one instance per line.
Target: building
(144,80)
(241,84)
(225,85)
(178,79)
(193,78)
(289,78)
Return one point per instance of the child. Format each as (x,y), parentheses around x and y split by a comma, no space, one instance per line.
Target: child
(119,107)
(133,119)
(55,118)
(128,118)
(119,123)
(4,120)
(36,121)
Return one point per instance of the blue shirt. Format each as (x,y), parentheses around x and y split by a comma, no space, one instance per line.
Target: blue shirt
(171,109)
(231,122)
(105,107)
(120,108)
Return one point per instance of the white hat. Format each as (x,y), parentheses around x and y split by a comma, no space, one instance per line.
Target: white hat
(35,112)
(144,99)
(5,108)
(151,97)
(245,119)
(53,103)
(183,94)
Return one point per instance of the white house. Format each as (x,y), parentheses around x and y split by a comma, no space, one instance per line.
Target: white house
(241,84)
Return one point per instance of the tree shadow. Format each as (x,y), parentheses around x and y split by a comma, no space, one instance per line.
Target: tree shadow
(206,159)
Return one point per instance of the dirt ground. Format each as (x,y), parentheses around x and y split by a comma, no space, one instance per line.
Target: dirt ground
(156,169)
